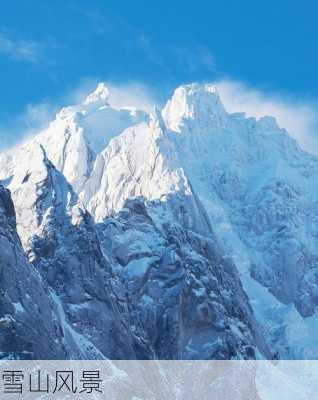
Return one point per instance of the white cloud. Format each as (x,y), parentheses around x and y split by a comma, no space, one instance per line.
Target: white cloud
(299,118)
(33,118)
(130,94)
(19,50)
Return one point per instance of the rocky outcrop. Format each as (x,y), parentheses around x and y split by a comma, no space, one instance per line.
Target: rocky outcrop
(29,324)
(180,296)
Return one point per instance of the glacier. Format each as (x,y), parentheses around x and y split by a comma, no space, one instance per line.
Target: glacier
(185,233)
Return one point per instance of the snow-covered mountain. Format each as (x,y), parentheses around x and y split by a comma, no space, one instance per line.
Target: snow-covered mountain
(187,233)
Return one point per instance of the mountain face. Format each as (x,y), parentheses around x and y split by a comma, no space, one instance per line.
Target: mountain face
(189,233)
(30,324)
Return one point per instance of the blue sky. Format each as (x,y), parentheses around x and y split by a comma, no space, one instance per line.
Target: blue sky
(48,49)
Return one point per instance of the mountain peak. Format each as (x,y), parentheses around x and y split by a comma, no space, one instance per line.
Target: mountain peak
(194,101)
(99,95)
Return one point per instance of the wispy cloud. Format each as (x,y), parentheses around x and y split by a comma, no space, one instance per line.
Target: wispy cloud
(297,116)
(32,119)
(194,58)
(19,50)
(121,95)
(133,94)
(168,57)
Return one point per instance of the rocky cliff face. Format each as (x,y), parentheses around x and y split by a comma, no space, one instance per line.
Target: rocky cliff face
(173,235)
(180,297)
(29,322)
